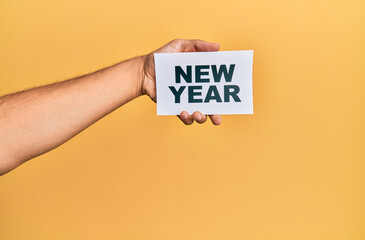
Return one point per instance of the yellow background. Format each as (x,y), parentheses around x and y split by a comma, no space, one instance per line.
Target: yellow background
(293,170)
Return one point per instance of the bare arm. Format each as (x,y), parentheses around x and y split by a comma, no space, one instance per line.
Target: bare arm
(35,121)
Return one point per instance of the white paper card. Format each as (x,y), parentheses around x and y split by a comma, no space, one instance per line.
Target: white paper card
(209,82)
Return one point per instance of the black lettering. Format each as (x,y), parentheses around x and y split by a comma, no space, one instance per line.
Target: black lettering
(180,72)
(178,93)
(199,73)
(192,93)
(228,92)
(212,94)
(217,75)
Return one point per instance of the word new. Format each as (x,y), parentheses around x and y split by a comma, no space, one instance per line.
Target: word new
(201,73)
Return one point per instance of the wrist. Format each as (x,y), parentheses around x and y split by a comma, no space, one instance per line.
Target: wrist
(132,76)
(140,74)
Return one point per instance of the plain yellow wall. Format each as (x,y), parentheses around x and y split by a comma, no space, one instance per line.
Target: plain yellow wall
(293,170)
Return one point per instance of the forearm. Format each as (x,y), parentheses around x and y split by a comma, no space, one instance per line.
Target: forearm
(37,120)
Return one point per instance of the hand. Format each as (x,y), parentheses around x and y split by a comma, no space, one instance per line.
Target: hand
(148,81)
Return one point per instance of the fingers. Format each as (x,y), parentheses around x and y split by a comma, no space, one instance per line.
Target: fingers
(186,118)
(199,118)
(216,119)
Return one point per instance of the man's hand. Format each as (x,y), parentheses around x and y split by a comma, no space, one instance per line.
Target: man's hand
(148,81)
(37,120)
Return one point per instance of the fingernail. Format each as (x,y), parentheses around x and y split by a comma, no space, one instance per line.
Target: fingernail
(198,117)
(184,115)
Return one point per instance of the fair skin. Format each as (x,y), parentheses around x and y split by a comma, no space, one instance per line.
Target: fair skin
(37,120)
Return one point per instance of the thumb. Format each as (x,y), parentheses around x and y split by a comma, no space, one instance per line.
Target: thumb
(203,46)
